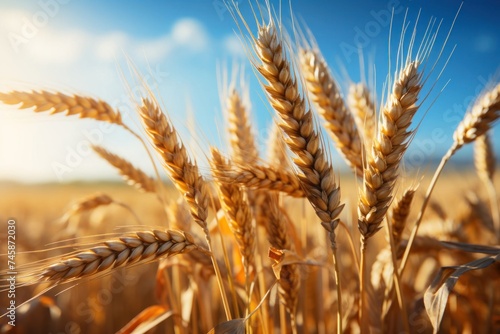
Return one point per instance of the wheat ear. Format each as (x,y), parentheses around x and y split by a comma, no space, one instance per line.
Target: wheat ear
(138,247)
(238,210)
(326,96)
(362,106)
(381,170)
(484,159)
(264,178)
(314,170)
(382,166)
(133,175)
(484,112)
(85,107)
(400,212)
(241,138)
(278,236)
(277,154)
(183,172)
(86,204)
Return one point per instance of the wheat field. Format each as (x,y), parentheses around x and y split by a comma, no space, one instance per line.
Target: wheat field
(238,241)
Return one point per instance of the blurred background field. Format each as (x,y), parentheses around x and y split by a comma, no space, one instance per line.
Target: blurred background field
(107,304)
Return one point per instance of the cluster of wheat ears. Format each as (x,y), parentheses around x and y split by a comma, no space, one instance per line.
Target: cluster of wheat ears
(246,246)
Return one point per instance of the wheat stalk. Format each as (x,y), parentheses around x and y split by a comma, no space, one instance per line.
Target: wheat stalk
(85,107)
(238,210)
(183,172)
(363,108)
(314,170)
(138,247)
(382,165)
(388,147)
(133,175)
(330,105)
(484,112)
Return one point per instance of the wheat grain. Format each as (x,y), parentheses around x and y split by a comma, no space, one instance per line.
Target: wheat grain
(138,247)
(85,107)
(330,105)
(381,170)
(133,175)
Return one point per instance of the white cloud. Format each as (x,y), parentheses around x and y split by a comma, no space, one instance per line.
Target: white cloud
(29,41)
(190,33)
(233,46)
(107,47)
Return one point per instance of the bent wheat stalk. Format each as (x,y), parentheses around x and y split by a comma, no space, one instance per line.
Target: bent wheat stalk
(480,118)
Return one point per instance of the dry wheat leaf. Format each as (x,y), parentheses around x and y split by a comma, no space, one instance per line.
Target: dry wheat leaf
(471,248)
(146,317)
(284,257)
(436,296)
(235,326)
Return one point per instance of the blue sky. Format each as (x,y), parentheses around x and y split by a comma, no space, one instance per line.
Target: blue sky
(82,46)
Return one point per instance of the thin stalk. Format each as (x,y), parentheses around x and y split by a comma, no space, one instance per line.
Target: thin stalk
(339,291)
(397,279)
(225,302)
(161,189)
(361,285)
(283,322)
(414,231)
(495,211)
(129,209)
